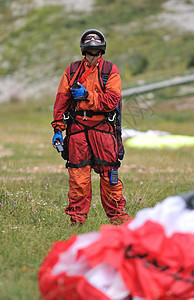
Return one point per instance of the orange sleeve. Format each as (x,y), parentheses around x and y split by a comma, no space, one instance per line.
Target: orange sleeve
(62,103)
(114,83)
(64,84)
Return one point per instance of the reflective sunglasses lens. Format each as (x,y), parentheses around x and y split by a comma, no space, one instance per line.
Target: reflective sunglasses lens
(88,38)
(96,37)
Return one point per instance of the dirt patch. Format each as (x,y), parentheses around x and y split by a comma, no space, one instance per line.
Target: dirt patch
(178,104)
(178,14)
(16,88)
(77,5)
(5,179)
(186,104)
(36,169)
(5,152)
(153,170)
(45,169)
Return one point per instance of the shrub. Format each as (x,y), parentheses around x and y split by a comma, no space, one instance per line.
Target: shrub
(138,63)
(190,63)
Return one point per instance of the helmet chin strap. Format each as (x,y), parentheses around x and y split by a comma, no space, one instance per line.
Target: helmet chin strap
(93,54)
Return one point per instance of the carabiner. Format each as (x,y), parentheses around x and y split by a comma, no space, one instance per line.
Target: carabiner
(112,119)
(66,116)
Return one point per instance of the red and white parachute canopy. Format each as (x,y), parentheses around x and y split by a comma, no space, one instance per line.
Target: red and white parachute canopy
(151,257)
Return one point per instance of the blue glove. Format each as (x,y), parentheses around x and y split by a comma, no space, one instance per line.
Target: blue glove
(57,136)
(79,93)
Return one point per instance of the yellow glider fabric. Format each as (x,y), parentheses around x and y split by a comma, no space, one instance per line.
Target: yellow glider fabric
(160,142)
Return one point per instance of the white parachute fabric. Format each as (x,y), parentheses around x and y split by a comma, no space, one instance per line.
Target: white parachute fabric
(150,258)
(171,214)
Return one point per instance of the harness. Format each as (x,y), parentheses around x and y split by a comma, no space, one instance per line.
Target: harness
(113,118)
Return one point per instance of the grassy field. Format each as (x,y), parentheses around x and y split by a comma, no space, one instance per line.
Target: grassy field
(34,181)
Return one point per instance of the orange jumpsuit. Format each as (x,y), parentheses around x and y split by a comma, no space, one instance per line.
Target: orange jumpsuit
(91,143)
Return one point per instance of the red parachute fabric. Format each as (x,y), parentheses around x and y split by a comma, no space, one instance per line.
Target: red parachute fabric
(61,286)
(151,264)
(151,257)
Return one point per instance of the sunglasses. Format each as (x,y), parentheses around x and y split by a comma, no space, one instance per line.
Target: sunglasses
(88,38)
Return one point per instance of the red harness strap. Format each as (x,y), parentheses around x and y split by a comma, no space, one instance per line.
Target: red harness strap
(84,76)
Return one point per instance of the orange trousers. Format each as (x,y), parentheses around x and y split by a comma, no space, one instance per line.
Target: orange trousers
(80,197)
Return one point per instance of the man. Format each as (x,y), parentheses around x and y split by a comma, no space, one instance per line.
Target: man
(86,108)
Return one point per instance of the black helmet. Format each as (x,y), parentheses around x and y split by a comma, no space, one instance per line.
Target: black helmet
(93,44)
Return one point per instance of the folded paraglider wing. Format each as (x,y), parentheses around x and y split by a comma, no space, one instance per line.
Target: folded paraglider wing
(151,257)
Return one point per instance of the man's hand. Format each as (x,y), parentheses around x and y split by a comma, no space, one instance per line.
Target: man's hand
(57,137)
(79,93)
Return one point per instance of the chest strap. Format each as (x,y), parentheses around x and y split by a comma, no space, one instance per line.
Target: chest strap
(90,113)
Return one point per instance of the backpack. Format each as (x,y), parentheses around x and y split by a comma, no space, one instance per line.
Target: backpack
(103,76)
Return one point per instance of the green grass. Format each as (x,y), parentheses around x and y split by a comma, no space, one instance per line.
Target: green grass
(34,184)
